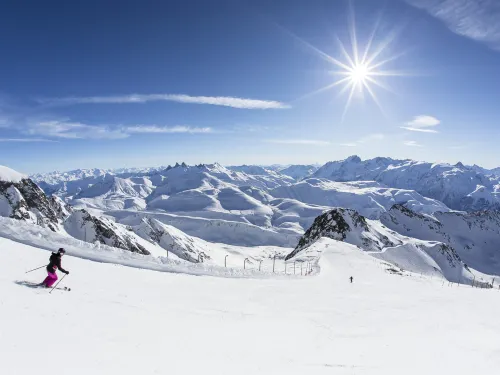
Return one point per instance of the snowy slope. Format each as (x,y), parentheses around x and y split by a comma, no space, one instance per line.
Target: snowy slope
(475,236)
(22,199)
(450,184)
(427,257)
(121,320)
(239,233)
(86,227)
(115,193)
(369,198)
(10,175)
(299,172)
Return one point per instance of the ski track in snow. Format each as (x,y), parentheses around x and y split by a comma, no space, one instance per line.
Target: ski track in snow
(122,320)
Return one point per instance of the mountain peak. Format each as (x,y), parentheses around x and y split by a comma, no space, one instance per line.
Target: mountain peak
(353,159)
(10,175)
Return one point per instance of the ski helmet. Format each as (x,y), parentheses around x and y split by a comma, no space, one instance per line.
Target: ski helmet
(61,251)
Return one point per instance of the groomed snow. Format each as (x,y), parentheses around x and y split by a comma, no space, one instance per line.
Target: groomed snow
(121,320)
(10,175)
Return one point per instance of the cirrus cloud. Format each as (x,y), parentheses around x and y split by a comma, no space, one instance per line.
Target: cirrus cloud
(474,19)
(224,101)
(66,129)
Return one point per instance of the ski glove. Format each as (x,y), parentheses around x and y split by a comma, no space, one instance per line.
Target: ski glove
(67,272)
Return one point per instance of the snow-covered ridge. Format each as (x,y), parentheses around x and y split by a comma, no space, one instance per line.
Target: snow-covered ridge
(458,186)
(474,236)
(10,175)
(298,172)
(429,257)
(22,199)
(369,198)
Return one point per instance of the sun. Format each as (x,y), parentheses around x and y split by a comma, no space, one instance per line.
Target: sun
(359,74)
(360,69)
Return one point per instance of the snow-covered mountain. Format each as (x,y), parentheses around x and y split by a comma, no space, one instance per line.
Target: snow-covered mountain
(474,236)
(485,171)
(299,172)
(270,178)
(22,199)
(89,228)
(429,257)
(111,192)
(56,177)
(182,207)
(369,198)
(457,186)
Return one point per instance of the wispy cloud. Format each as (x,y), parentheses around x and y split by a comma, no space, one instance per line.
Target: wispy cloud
(73,130)
(312,142)
(412,144)
(165,129)
(26,140)
(367,139)
(352,144)
(225,101)
(422,130)
(422,124)
(66,129)
(474,19)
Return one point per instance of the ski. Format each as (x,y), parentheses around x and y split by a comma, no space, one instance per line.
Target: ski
(30,284)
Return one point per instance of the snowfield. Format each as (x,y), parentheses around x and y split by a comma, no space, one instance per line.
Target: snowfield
(122,320)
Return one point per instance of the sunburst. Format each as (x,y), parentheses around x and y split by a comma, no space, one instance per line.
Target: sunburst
(361,69)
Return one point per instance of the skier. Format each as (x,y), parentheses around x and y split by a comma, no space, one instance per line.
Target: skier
(54,264)
(352,278)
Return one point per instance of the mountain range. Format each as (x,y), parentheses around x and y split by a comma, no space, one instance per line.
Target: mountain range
(406,212)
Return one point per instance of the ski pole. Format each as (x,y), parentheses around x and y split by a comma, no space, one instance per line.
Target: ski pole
(58,283)
(35,269)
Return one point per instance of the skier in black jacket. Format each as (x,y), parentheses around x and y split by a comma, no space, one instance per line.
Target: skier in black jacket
(53,266)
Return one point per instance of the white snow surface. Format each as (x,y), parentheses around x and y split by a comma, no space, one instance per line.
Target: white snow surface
(10,175)
(450,184)
(369,198)
(122,320)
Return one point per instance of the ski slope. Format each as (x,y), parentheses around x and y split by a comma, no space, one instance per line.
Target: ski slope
(123,320)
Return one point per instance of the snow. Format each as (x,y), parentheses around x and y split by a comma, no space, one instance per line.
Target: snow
(159,260)
(475,236)
(122,320)
(369,198)
(450,184)
(299,172)
(10,175)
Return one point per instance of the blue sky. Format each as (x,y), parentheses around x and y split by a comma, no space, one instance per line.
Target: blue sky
(114,84)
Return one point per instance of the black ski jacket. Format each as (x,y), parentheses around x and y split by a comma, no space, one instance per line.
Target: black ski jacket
(55,263)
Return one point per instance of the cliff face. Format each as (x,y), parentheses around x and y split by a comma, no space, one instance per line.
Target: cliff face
(347,225)
(24,200)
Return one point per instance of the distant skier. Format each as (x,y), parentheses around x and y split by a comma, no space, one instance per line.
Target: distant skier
(351,278)
(52,267)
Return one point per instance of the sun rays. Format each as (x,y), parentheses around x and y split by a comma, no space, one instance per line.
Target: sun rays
(360,69)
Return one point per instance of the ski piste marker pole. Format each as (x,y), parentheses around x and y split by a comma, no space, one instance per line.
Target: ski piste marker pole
(62,278)
(35,269)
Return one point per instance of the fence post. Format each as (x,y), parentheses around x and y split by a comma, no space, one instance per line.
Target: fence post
(274,261)
(245,263)
(285,267)
(225,260)
(260,264)
(473,281)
